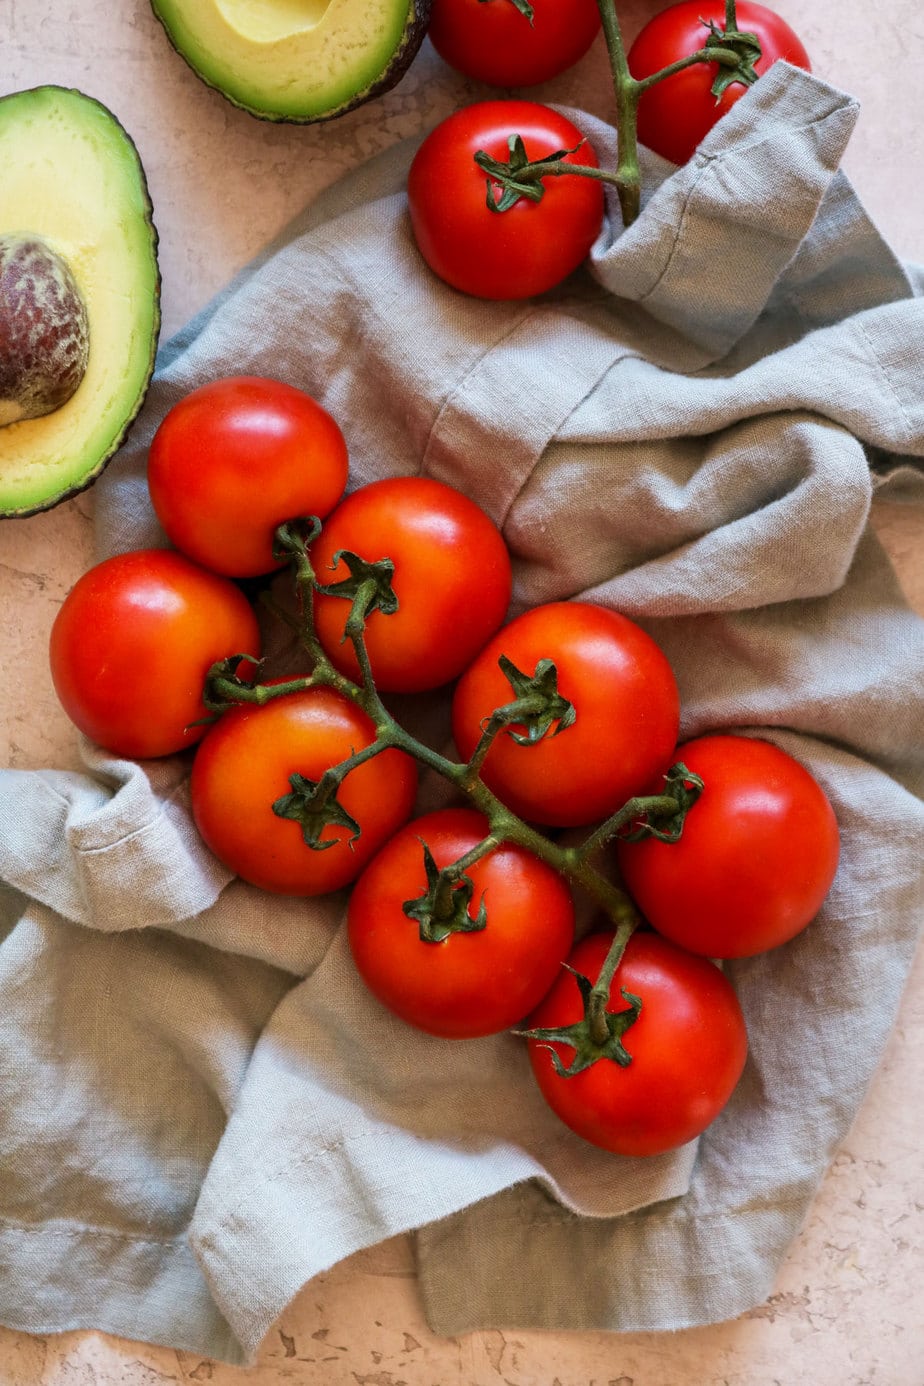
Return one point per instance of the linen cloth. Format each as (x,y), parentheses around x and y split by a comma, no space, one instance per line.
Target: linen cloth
(200,1106)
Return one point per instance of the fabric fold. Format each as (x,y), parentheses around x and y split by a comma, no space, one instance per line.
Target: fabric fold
(708,255)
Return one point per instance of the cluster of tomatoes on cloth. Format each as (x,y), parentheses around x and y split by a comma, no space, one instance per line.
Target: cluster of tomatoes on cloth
(508,247)
(565,720)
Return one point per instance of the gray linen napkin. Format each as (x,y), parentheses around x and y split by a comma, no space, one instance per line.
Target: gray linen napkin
(200,1107)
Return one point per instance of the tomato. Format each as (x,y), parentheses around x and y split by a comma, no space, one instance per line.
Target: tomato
(469,984)
(452,580)
(676,114)
(519,252)
(627,712)
(688,1048)
(243,767)
(133,642)
(494,42)
(756,858)
(233,460)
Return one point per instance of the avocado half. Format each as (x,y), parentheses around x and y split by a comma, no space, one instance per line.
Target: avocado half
(296,60)
(71,179)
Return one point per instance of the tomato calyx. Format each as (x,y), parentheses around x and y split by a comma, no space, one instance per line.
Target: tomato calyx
(314,805)
(368,589)
(742,45)
(291,539)
(651,815)
(225,689)
(597,1035)
(443,908)
(519,176)
(662,816)
(538,706)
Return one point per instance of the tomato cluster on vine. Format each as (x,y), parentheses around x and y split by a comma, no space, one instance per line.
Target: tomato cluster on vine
(506,195)
(564,717)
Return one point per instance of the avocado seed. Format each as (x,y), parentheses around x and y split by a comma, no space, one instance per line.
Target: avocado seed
(44,336)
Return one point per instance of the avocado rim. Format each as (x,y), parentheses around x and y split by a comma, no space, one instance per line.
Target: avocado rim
(87,478)
(418,19)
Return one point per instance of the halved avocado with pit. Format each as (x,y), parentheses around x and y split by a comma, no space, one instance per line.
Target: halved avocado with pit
(296,60)
(76,240)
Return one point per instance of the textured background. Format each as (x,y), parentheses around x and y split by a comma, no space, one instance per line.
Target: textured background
(845,1311)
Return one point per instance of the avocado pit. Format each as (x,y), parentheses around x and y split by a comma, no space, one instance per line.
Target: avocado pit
(44,329)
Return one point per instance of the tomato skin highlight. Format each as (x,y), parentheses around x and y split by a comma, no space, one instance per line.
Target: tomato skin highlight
(233,460)
(625,697)
(675,115)
(243,766)
(525,250)
(470,984)
(688,1048)
(452,579)
(493,42)
(756,858)
(132,644)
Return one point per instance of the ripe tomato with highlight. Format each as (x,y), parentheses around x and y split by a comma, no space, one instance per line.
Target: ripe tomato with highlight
(452,580)
(625,699)
(133,642)
(469,984)
(495,41)
(244,766)
(676,114)
(756,858)
(688,1048)
(530,247)
(236,458)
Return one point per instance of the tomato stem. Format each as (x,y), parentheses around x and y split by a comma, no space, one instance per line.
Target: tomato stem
(600,991)
(654,815)
(710,54)
(641,807)
(627,97)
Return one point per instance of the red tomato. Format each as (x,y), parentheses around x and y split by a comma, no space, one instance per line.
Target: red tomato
(625,697)
(452,580)
(501,255)
(233,460)
(688,1048)
(676,114)
(244,765)
(756,857)
(470,984)
(133,642)
(494,42)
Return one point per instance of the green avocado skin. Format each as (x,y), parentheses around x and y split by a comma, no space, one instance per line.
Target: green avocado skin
(415,29)
(89,468)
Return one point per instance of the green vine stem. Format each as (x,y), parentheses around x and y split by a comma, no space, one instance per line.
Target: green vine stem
(627,98)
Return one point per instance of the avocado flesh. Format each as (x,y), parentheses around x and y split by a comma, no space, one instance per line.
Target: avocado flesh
(70,176)
(296,60)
